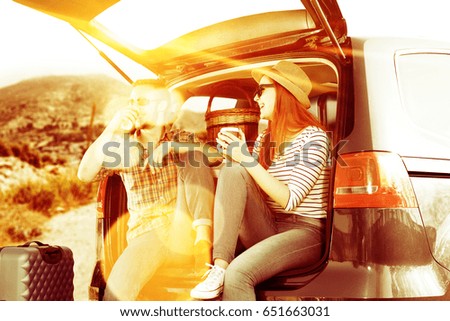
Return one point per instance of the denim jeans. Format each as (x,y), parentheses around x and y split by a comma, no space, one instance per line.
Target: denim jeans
(142,257)
(195,195)
(271,247)
(145,254)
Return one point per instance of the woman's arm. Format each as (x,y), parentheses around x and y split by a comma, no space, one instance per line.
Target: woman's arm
(275,189)
(304,172)
(236,148)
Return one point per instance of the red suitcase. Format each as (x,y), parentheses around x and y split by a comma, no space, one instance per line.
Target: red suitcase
(36,272)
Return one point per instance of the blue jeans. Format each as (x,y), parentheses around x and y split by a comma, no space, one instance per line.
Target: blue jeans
(145,254)
(272,246)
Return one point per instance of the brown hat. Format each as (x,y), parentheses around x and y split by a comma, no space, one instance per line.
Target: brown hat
(291,77)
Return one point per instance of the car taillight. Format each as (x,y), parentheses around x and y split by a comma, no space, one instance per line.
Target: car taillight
(371,180)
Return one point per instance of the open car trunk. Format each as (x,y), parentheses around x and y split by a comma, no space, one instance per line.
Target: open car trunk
(193,65)
(318,24)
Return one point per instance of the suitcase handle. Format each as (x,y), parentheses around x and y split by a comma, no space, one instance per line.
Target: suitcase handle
(27,244)
(50,254)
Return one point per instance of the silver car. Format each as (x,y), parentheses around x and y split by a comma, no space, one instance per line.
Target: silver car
(384,102)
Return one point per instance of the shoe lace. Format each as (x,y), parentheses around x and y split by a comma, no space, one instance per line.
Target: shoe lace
(214,274)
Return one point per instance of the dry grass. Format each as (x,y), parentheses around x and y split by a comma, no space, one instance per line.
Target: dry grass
(27,206)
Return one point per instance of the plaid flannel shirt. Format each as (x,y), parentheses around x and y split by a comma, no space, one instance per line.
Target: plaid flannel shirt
(151,196)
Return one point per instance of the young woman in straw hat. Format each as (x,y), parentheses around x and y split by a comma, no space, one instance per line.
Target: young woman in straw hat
(274,201)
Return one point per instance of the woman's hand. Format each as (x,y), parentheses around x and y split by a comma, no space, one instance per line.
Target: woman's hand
(234,147)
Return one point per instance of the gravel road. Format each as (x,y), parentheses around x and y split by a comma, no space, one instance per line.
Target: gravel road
(76,230)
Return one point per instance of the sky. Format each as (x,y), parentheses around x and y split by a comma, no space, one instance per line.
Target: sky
(33,44)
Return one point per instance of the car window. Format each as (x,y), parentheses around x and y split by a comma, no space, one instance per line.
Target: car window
(423,81)
(140,23)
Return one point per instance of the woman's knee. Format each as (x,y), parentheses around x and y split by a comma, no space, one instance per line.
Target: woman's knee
(233,171)
(193,159)
(238,276)
(194,164)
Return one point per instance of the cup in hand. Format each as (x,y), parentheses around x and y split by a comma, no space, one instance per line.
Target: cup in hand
(233,130)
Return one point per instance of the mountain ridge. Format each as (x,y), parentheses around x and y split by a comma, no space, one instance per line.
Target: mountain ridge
(59,94)
(52,114)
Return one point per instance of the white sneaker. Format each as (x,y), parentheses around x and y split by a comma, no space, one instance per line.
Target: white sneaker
(212,286)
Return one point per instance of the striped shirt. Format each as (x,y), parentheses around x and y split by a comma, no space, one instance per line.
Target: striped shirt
(304,167)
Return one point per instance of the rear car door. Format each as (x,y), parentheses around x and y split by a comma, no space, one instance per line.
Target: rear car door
(423,78)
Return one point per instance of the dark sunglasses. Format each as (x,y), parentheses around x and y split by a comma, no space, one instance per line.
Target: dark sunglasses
(260,89)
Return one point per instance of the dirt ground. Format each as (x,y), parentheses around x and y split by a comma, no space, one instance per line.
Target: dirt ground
(76,230)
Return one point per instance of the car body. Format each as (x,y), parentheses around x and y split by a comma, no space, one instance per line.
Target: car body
(384,103)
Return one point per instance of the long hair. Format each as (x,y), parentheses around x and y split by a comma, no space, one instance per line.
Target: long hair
(288,120)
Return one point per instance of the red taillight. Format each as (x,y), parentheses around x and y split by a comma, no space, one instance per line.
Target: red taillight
(372,179)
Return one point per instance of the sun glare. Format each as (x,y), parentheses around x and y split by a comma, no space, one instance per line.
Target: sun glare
(164,20)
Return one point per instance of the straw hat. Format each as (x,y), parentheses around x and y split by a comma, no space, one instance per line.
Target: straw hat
(291,77)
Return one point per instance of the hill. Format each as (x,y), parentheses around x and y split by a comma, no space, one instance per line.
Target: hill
(46,126)
(52,114)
